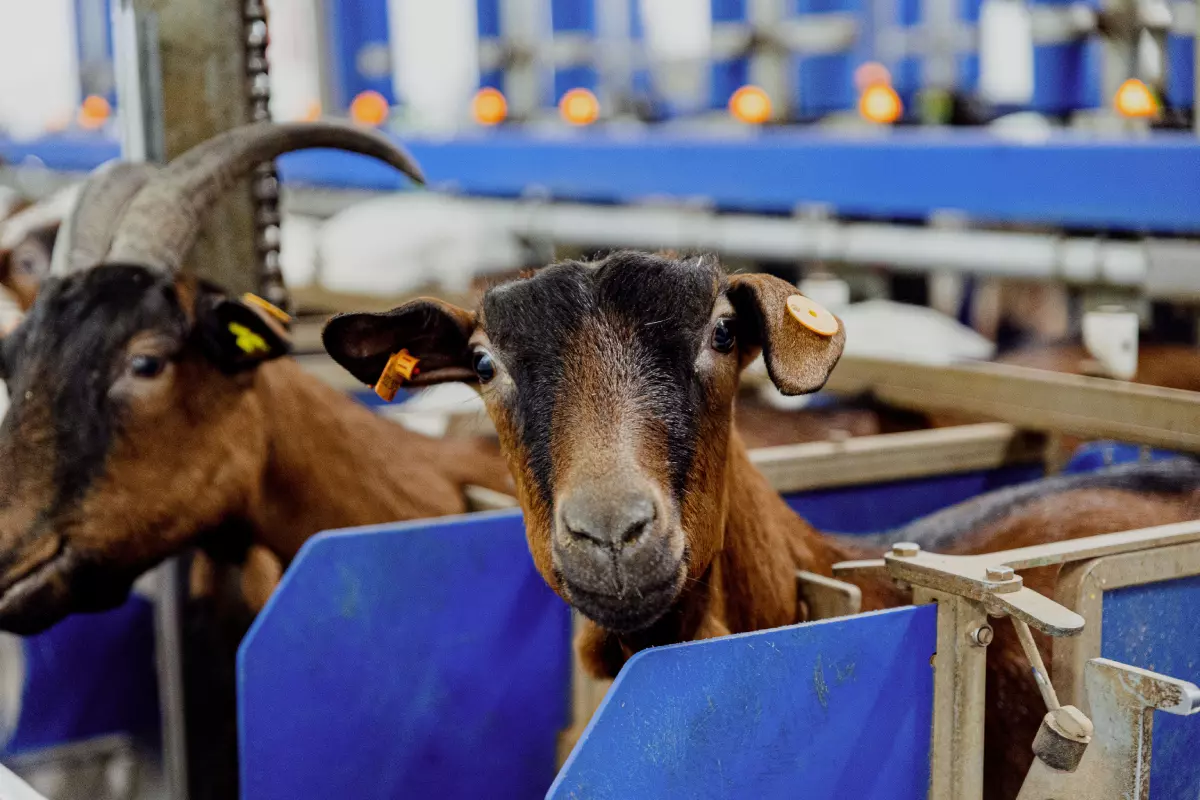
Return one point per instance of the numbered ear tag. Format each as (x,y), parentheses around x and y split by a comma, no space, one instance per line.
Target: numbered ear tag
(400,367)
(812,316)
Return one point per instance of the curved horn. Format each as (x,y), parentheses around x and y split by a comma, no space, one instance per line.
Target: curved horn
(165,218)
(91,212)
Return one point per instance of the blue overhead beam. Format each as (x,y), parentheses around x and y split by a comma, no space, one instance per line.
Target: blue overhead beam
(1131,184)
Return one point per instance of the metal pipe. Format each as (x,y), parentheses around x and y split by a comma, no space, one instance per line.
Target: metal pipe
(1040,675)
(913,248)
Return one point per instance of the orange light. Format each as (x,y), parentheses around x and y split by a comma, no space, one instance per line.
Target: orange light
(1134,99)
(369,108)
(94,112)
(871,74)
(579,107)
(881,104)
(750,104)
(489,107)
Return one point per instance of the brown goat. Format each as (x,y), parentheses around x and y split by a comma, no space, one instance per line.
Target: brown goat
(151,411)
(612,386)
(27,243)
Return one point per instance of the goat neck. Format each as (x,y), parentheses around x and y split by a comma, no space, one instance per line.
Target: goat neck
(320,444)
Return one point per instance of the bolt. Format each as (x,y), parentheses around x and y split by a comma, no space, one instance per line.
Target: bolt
(1000,574)
(905,549)
(982,636)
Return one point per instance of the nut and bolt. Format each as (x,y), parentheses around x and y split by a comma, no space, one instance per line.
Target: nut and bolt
(983,635)
(905,549)
(1000,574)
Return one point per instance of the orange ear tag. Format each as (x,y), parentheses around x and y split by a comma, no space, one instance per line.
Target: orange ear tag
(400,367)
(812,316)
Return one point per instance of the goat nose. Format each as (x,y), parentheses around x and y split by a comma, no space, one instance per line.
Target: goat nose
(609,519)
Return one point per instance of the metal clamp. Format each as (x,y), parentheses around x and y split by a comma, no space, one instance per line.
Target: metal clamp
(1117,764)
(984,579)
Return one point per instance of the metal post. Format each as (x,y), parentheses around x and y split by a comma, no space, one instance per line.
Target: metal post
(139,93)
(956,752)
(202,50)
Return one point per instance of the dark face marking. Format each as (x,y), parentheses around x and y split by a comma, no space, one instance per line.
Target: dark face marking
(659,307)
(611,386)
(605,381)
(66,355)
(123,439)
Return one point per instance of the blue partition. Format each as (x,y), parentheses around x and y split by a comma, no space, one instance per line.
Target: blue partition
(1153,626)
(417,660)
(825,711)
(90,675)
(879,507)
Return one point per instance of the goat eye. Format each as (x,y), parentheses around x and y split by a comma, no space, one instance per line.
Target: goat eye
(147,367)
(722,337)
(485,367)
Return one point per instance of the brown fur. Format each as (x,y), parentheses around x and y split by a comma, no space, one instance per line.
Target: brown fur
(202,456)
(743,543)
(283,452)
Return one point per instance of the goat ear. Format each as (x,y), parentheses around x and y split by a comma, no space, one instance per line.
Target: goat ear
(237,335)
(434,332)
(799,355)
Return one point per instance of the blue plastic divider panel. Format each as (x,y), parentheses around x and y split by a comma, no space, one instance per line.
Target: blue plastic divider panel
(879,507)
(1103,183)
(427,659)
(825,711)
(1154,627)
(90,675)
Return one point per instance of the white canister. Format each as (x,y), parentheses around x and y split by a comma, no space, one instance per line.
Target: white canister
(435,60)
(1110,334)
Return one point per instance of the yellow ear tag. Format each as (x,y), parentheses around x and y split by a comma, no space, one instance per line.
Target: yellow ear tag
(272,309)
(400,367)
(812,316)
(248,341)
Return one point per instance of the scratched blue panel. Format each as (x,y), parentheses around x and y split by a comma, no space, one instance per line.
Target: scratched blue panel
(88,676)
(825,711)
(1154,627)
(880,507)
(1181,71)
(417,660)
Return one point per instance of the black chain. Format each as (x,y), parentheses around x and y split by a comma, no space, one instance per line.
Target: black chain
(267,218)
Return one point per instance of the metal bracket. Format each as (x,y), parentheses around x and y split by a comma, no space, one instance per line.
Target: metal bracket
(826,597)
(1117,763)
(967,590)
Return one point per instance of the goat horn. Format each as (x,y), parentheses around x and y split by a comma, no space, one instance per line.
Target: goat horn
(89,214)
(165,218)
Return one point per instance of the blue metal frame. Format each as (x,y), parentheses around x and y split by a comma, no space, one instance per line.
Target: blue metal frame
(1137,185)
